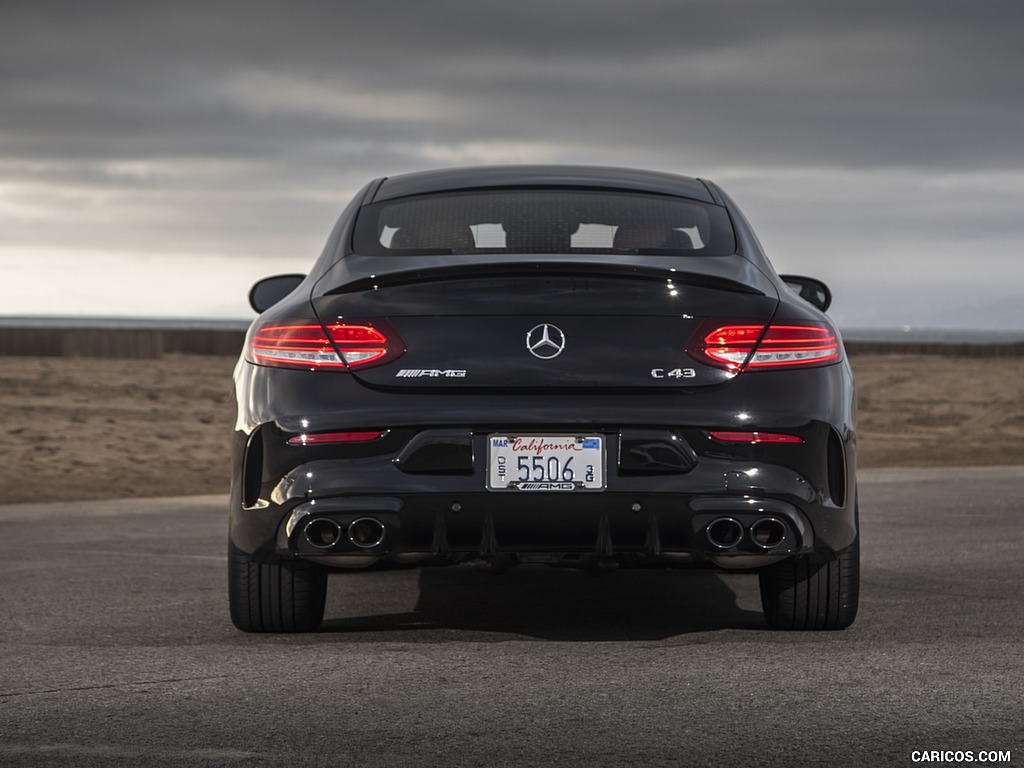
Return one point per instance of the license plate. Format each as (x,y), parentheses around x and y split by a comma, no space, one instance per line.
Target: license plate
(545,462)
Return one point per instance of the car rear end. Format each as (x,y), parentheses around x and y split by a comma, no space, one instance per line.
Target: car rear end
(582,391)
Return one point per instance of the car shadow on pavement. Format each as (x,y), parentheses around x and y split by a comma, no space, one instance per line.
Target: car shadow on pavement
(560,604)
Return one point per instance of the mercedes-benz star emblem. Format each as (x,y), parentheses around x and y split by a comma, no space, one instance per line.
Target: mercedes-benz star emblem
(545,341)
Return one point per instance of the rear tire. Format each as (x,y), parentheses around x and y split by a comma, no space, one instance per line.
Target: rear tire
(282,596)
(801,594)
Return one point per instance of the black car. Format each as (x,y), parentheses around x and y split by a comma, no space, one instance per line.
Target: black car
(579,366)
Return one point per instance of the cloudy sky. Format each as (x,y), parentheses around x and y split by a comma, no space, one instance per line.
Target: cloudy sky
(157,157)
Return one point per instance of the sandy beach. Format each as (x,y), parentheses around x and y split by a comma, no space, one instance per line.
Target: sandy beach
(96,428)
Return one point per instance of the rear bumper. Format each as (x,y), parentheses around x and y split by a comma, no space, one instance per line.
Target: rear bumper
(423,486)
(655,517)
(640,528)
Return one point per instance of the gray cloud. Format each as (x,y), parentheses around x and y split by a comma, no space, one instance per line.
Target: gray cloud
(868,83)
(854,133)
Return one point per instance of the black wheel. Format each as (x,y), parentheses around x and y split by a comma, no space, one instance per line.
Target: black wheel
(805,594)
(283,596)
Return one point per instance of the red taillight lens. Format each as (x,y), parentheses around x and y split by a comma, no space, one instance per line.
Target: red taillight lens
(742,346)
(359,343)
(293,345)
(756,437)
(728,346)
(327,438)
(343,344)
(785,345)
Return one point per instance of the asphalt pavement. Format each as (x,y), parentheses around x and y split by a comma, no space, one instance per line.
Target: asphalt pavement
(116,650)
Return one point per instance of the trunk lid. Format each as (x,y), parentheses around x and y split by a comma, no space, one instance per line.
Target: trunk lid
(514,328)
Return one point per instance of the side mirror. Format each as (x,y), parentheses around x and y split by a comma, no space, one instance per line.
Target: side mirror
(810,290)
(270,290)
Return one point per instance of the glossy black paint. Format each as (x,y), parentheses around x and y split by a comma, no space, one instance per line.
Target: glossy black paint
(424,478)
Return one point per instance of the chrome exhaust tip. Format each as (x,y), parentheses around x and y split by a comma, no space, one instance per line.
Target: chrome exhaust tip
(768,532)
(322,533)
(366,532)
(724,532)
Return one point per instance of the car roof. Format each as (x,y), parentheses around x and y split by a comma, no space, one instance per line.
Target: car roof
(498,176)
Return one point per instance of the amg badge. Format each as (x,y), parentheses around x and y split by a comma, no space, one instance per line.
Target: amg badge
(431,373)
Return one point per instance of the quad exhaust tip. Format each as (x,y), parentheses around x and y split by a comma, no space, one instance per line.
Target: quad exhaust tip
(366,532)
(768,532)
(724,532)
(322,533)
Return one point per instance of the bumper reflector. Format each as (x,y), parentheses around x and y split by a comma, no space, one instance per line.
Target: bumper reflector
(326,438)
(755,437)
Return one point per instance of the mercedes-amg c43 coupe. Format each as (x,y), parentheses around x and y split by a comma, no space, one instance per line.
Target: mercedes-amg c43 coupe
(574,366)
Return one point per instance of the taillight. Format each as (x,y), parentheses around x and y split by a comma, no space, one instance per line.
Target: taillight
(784,345)
(343,344)
(726,346)
(359,343)
(744,346)
(293,345)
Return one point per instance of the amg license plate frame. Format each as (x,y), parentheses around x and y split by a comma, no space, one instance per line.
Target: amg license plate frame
(546,462)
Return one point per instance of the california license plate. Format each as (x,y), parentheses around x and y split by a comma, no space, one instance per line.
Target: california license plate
(545,462)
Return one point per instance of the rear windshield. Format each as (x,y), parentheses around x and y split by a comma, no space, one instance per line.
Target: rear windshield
(544,221)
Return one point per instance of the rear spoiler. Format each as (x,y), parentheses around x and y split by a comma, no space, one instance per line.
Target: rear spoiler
(539,269)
